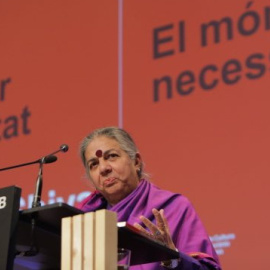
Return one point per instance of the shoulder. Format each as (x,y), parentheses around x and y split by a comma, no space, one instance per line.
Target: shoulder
(170,197)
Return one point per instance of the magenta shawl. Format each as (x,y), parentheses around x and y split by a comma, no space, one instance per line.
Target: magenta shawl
(187,230)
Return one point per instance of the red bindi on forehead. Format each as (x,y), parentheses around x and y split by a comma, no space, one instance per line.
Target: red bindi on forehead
(99,153)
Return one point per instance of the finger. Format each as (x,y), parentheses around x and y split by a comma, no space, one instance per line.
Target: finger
(151,226)
(169,240)
(141,229)
(164,220)
(159,219)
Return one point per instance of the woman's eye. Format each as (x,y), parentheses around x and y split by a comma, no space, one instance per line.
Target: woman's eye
(112,155)
(93,165)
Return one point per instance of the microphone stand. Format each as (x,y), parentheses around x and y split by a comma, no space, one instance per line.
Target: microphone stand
(34,249)
(38,191)
(36,203)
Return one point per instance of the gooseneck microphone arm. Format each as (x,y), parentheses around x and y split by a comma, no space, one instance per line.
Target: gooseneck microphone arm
(47,159)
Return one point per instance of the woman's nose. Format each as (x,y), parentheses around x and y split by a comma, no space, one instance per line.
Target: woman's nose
(104,167)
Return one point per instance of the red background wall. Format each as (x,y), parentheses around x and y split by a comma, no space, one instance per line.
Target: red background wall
(79,66)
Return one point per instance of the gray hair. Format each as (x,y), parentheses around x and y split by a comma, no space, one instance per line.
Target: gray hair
(124,140)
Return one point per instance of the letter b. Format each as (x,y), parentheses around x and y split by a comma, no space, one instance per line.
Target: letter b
(3,202)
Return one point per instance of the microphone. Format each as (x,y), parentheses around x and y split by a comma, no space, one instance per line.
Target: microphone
(34,250)
(49,159)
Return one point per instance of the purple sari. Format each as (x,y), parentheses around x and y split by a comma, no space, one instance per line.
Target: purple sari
(187,231)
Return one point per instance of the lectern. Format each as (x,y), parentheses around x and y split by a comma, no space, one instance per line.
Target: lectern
(9,215)
(43,236)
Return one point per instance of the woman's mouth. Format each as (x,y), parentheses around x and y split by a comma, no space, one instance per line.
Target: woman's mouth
(109,181)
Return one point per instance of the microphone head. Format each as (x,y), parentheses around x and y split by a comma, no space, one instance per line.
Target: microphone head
(64,147)
(49,159)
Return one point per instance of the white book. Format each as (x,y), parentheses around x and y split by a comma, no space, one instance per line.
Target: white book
(77,242)
(66,244)
(89,241)
(105,240)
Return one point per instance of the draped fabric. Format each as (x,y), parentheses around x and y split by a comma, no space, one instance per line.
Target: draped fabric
(187,231)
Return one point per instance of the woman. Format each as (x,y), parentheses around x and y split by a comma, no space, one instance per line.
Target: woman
(115,168)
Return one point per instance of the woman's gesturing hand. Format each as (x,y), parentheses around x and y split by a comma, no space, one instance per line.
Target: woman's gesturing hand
(159,231)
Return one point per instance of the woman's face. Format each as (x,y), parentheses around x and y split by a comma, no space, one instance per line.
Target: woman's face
(111,170)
